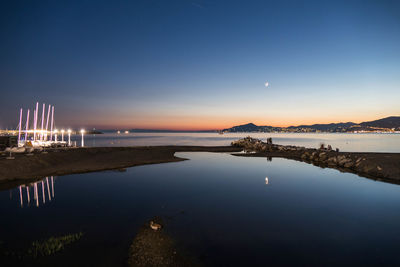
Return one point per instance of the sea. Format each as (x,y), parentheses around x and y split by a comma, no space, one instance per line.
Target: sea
(353,142)
(220,209)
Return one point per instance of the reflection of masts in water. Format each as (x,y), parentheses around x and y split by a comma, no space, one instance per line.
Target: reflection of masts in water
(48,188)
(52,186)
(20,196)
(43,196)
(36,195)
(36,192)
(27,193)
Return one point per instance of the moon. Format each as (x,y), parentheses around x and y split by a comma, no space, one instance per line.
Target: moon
(266,84)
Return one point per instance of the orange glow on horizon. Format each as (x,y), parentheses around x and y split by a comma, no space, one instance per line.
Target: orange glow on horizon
(206,123)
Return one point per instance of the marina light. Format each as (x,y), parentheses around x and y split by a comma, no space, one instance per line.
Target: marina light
(83,141)
(62,135)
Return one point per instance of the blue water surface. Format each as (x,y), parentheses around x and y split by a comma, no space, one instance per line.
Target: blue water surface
(219,209)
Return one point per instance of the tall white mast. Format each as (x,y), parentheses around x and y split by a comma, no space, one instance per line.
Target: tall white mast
(52,123)
(43,111)
(27,126)
(34,116)
(20,125)
(35,121)
(47,122)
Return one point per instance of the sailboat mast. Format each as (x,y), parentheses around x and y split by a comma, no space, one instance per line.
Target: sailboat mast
(47,122)
(20,125)
(52,123)
(27,126)
(43,111)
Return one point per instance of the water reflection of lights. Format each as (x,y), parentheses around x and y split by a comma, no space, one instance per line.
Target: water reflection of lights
(36,188)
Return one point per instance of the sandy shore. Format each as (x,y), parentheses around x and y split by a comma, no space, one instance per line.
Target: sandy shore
(81,160)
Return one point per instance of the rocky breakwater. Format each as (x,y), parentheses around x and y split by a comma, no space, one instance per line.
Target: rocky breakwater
(379,166)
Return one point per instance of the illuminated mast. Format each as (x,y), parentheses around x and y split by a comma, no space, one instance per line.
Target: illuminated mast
(47,122)
(35,117)
(20,125)
(52,123)
(42,133)
(27,126)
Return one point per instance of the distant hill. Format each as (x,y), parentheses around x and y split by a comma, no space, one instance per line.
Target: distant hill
(385,124)
(251,127)
(389,122)
(167,131)
(331,127)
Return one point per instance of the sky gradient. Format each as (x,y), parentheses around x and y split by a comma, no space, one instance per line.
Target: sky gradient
(196,65)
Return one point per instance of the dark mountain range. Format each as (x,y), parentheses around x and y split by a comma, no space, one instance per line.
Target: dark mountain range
(385,124)
(331,127)
(251,127)
(389,122)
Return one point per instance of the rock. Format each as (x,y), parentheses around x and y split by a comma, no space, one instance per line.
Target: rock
(332,161)
(348,164)
(367,168)
(323,156)
(305,155)
(344,161)
(313,155)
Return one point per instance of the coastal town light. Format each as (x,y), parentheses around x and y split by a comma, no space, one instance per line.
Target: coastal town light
(62,135)
(83,141)
(55,135)
(69,137)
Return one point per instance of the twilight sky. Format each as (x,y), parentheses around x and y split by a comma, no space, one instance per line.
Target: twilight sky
(200,64)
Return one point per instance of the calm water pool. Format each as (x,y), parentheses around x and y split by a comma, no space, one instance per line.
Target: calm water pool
(219,209)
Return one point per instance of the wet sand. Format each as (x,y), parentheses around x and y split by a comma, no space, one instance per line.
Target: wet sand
(80,160)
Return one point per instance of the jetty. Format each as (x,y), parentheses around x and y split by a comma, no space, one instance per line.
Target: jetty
(377,166)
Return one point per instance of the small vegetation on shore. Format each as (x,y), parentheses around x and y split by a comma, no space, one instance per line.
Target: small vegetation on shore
(52,245)
(41,248)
